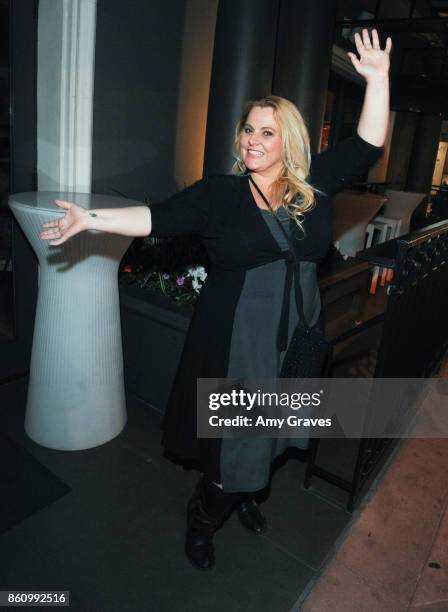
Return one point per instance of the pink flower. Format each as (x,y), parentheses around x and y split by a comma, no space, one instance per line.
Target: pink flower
(127,269)
(180,280)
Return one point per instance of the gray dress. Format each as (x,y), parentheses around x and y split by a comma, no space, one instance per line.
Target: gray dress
(245,462)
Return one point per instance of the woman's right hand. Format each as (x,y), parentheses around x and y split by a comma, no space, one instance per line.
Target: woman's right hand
(73,222)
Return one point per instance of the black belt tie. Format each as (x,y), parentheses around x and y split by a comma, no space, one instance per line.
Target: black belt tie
(282,333)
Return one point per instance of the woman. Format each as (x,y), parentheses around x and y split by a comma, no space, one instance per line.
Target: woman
(235,326)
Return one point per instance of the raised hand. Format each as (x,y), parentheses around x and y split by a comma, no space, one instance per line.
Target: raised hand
(73,222)
(373,61)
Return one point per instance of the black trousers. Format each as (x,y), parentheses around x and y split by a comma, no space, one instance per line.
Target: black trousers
(210,458)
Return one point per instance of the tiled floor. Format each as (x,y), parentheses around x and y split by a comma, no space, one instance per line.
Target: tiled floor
(116,541)
(394,557)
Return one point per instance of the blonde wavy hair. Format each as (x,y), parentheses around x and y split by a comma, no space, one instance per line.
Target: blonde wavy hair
(291,190)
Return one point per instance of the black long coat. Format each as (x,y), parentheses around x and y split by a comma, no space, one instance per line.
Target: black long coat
(221,210)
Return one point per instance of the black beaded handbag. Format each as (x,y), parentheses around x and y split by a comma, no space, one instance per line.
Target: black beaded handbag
(308,349)
(306,354)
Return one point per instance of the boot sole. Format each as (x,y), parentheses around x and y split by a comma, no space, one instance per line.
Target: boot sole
(203,569)
(257,533)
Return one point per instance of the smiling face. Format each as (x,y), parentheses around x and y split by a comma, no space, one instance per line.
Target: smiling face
(261,144)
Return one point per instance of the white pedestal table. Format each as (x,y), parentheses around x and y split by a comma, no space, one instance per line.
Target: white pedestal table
(76,397)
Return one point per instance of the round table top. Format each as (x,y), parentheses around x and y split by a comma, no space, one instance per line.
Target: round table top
(45,200)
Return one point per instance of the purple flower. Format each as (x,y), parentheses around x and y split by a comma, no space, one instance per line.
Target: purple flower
(180,280)
(165,276)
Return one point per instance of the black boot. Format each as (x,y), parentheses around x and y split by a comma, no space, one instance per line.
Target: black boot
(207,510)
(251,516)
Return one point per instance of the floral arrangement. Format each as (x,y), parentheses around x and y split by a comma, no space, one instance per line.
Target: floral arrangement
(160,266)
(183,288)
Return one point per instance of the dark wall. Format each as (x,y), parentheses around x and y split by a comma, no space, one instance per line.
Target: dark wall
(23,85)
(137,73)
(15,355)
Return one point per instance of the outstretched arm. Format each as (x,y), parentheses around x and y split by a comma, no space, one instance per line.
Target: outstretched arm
(184,213)
(373,64)
(130,221)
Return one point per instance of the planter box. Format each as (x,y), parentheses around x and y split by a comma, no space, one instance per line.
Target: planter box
(153,333)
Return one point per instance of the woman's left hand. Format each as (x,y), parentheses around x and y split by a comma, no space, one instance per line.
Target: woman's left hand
(373,62)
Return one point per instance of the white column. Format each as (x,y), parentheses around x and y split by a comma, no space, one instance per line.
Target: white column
(66,56)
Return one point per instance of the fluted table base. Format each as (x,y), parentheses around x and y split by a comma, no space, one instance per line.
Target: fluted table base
(76,397)
(84,417)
